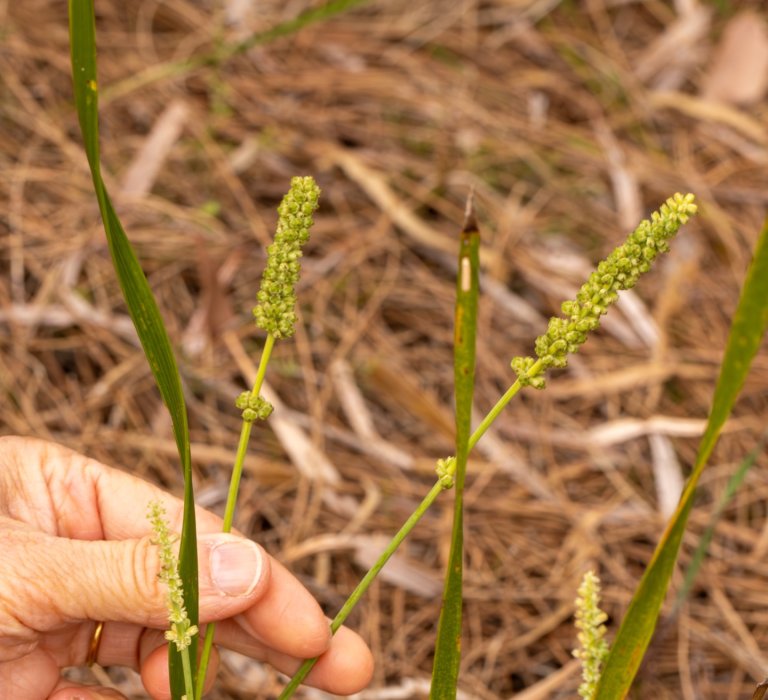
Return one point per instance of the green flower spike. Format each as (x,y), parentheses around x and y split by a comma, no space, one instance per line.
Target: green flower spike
(275,312)
(593,649)
(620,270)
(181,631)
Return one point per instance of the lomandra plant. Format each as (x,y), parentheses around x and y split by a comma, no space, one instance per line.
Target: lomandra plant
(275,316)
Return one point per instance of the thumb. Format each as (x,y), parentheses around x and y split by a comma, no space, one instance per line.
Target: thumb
(61,580)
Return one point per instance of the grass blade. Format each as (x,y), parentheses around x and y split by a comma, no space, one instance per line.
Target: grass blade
(176,68)
(138,297)
(291,26)
(730,491)
(748,327)
(445,672)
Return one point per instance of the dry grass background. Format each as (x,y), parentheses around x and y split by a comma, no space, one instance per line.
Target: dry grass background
(572,120)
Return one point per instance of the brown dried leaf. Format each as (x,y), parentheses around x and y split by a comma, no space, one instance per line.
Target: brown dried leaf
(739,72)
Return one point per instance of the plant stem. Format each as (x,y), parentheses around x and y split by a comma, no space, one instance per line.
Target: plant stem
(447,658)
(229,511)
(500,405)
(187,666)
(262,370)
(417,514)
(365,582)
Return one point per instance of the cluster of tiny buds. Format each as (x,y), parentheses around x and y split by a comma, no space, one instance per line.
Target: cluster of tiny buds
(181,631)
(590,619)
(275,311)
(446,469)
(253,406)
(619,271)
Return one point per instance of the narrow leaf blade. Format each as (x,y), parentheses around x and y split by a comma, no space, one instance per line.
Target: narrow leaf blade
(731,488)
(139,300)
(445,671)
(291,26)
(747,330)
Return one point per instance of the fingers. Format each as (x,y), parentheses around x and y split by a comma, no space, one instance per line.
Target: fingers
(287,618)
(114,581)
(31,677)
(85,503)
(345,668)
(117,580)
(280,613)
(88,539)
(284,627)
(63,493)
(154,672)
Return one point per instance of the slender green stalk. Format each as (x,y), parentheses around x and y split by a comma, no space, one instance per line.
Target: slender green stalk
(187,667)
(229,511)
(205,659)
(497,409)
(261,372)
(365,582)
(245,434)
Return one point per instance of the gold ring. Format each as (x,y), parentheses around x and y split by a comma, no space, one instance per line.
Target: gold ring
(93,649)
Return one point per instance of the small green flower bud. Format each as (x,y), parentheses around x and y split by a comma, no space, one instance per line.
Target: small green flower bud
(446,469)
(242,400)
(254,407)
(522,367)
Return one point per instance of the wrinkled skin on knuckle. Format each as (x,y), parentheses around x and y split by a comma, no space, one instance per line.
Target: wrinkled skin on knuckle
(18,636)
(143,582)
(121,580)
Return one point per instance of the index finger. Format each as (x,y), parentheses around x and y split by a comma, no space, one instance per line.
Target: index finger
(67,494)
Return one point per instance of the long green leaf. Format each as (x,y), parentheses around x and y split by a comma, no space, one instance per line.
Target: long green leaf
(138,297)
(731,488)
(445,671)
(748,327)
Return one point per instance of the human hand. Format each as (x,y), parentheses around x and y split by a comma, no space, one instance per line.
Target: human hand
(75,549)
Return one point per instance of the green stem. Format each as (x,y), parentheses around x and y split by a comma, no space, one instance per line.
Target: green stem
(500,405)
(237,472)
(187,667)
(365,582)
(229,510)
(493,413)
